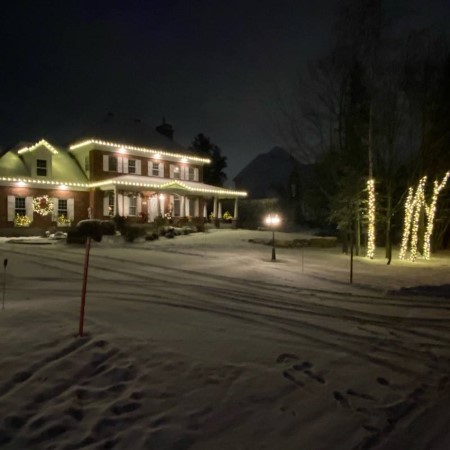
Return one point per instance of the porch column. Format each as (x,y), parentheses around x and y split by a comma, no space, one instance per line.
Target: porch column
(235,208)
(116,201)
(205,210)
(219,210)
(215,207)
(161,204)
(182,206)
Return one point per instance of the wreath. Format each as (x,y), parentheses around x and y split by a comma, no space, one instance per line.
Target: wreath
(43,205)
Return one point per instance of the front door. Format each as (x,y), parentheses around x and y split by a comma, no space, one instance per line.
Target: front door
(153,208)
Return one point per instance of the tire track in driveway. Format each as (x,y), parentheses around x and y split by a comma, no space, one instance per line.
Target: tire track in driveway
(249,306)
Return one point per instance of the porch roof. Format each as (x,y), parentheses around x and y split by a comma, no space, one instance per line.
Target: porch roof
(137,182)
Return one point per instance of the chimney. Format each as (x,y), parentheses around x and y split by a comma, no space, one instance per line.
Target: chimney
(165,129)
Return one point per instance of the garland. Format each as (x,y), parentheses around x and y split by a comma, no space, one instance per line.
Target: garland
(43,205)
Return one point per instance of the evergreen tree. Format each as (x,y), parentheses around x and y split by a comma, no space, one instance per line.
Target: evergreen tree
(213,173)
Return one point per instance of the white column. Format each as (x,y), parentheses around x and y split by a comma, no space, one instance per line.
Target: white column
(235,208)
(182,205)
(219,210)
(161,204)
(215,207)
(116,201)
(205,210)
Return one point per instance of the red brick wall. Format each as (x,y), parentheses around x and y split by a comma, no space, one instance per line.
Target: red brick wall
(81,203)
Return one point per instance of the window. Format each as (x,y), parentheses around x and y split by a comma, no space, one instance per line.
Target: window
(19,208)
(176,206)
(111,204)
(131,166)
(155,169)
(176,172)
(41,168)
(133,205)
(112,166)
(62,208)
(191,173)
(86,163)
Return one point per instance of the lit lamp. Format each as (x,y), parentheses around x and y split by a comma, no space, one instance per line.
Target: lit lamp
(272,221)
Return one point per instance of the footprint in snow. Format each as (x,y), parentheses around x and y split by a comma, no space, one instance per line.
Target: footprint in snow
(341,399)
(286,357)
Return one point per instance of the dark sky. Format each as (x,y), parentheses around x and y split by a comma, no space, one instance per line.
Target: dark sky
(208,66)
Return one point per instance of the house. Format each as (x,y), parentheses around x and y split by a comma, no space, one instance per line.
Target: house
(42,184)
(271,175)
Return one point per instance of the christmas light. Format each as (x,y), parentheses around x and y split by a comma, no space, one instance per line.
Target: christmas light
(36,145)
(407,223)
(430,211)
(139,149)
(419,200)
(413,208)
(371,219)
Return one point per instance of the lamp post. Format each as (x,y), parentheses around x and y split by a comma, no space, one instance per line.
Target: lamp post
(273,220)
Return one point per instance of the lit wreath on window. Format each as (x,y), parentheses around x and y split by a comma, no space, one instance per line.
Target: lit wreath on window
(43,205)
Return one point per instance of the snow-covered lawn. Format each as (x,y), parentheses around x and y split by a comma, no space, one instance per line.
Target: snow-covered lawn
(201,342)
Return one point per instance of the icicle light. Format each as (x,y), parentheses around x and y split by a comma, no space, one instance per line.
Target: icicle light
(431,213)
(371,219)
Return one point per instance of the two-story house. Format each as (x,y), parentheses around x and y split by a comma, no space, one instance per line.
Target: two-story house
(94,178)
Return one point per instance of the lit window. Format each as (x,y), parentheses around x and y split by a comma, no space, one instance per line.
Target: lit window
(131,166)
(191,175)
(133,205)
(19,208)
(155,169)
(112,167)
(62,208)
(176,172)
(41,168)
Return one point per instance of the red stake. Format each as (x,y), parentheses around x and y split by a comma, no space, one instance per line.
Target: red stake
(83,292)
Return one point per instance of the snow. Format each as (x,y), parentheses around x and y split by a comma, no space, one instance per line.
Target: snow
(202,342)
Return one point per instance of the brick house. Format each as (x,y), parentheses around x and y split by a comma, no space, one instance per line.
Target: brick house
(95,178)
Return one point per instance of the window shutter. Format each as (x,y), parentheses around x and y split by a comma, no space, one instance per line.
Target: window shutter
(161,170)
(126,205)
(55,209)
(195,173)
(138,167)
(106,205)
(11,207)
(71,208)
(172,170)
(29,207)
(149,169)
(125,165)
(105,163)
(119,164)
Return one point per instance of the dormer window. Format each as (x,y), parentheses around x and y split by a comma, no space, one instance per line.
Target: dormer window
(41,168)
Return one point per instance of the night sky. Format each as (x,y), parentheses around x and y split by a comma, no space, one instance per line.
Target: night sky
(207,66)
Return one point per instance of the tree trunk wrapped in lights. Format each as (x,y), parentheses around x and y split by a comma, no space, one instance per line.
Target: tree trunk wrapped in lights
(371,219)
(413,206)
(430,211)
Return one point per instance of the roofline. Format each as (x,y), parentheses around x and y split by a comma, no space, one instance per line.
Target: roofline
(117,181)
(36,145)
(138,149)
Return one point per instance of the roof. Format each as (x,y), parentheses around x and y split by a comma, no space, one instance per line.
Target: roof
(163,183)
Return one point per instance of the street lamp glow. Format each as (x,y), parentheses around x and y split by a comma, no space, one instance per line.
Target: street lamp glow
(272,221)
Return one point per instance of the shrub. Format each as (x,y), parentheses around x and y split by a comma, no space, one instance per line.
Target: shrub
(90,228)
(74,236)
(121,223)
(108,227)
(132,233)
(198,223)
